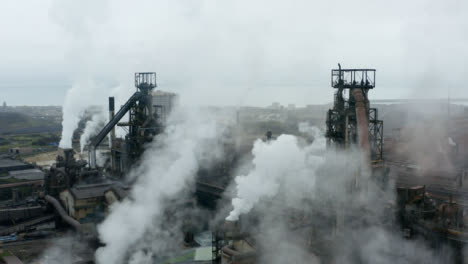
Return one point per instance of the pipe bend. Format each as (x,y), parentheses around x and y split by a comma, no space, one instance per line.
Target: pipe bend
(58,207)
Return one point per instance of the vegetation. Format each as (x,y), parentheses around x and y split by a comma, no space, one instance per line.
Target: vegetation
(5,253)
(19,123)
(38,142)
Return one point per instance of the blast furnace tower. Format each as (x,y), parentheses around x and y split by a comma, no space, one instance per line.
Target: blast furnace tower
(352,121)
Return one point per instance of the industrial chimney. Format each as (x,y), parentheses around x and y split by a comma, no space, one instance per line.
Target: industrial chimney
(111,116)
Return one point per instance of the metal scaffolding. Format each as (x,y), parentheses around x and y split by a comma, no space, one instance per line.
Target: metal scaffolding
(350,114)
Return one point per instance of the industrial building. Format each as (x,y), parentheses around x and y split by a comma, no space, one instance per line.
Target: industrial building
(78,193)
(8,164)
(85,203)
(428,212)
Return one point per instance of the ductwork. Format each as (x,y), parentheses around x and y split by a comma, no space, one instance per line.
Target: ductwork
(362,123)
(58,207)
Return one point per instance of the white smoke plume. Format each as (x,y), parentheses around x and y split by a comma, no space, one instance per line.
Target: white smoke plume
(305,196)
(92,127)
(80,23)
(168,167)
(72,109)
(306,128)
(274,163)
(67,249)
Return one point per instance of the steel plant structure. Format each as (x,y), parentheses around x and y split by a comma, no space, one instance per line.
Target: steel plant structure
(351,121)
(142,124)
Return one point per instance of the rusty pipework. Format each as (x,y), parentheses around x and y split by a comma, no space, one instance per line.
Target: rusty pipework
(362,123)
(68,219)
(235,256)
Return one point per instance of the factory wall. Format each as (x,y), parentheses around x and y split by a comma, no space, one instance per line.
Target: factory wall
(69,202)
(83,210)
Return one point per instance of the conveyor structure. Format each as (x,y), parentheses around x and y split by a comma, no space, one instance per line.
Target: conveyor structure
(142,122)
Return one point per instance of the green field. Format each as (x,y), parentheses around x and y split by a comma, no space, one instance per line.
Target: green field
(19,123)
(39,142)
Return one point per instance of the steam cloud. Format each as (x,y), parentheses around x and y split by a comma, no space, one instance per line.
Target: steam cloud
(303,194)
(168,168)
(274,163)
(173,158)
(92,127)
(63,250)
(72,109)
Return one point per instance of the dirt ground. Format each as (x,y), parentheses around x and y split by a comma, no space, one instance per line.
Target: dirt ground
(27,251)
(45,159)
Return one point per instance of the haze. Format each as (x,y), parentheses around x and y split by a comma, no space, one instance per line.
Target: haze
(232,52)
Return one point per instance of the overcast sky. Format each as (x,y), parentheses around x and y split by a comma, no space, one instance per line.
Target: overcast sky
(242,52)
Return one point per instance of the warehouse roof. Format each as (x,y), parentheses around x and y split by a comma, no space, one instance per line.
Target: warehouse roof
(28,174)
(120,191)
(11,164)
(89,190)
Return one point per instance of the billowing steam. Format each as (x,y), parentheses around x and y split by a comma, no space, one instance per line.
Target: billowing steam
(92,127)
(134,229)
(71,111)
(305,197)
(66,249)
(274,163)
(79,21)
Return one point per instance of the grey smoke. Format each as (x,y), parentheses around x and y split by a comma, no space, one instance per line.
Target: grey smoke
(299,202)
(168,167)
(93,127)
(64,250)
(274,163)
(73,107)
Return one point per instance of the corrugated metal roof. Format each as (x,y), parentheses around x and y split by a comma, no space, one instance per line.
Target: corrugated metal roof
(5,164)
(89,190)
(12,260)
(121,192)
(28,174)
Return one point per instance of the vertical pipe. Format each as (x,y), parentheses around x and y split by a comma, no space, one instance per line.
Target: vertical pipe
(362,124)
(346,131)
(111,116)
(149,104)
(112,134)
(92,156)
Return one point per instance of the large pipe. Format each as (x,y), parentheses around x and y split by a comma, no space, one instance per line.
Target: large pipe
(68,219)
(237,256)
(92,156)
(112,133)
(362,124)
(111,116)
(109,126)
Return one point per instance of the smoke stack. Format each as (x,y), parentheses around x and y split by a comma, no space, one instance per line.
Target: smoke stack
(111,116)
(363,131)
(66,153)
(112,133)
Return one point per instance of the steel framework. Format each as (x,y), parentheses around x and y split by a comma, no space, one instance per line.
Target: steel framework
(351,112)
(217,243)
(375,135)
(142,125)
